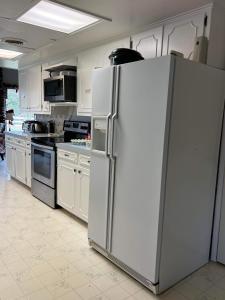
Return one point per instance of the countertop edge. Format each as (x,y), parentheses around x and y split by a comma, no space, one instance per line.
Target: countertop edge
(74,148)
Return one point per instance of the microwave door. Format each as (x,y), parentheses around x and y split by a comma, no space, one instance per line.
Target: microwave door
(54,89)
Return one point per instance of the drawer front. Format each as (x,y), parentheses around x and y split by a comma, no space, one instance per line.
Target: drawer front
(28,144)
(9,139)
(84,161)
(20,142)
(67,156)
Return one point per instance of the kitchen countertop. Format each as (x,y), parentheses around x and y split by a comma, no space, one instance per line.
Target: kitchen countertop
(74,148)
(27,135)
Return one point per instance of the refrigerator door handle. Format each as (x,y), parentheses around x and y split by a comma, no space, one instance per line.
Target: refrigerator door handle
(115,115)
(108,152)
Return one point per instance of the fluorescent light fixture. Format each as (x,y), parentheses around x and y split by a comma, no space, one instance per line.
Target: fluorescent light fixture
(57,17)
(9,54)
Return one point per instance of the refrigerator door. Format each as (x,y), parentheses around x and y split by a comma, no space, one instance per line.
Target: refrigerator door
(139,139)
(103,88)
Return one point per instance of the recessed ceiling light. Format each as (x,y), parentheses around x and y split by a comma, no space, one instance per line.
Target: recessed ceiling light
(57,17)
(9,54)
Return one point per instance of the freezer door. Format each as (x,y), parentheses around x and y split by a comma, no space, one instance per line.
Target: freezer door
(139,150)
(98,200)
(103,86)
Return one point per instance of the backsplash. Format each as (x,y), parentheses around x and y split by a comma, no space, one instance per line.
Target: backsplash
(58,115)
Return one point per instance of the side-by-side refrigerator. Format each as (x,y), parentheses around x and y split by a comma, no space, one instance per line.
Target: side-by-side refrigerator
(156,127)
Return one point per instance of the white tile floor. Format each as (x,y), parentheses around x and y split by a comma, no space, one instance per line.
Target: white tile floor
(44,255)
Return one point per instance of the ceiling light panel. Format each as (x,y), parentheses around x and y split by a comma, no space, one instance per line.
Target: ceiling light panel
(57,17)
(8,54)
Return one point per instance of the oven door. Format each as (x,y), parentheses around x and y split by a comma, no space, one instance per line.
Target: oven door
(43,164)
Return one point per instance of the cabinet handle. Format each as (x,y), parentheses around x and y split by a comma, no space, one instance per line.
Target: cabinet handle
(79,171)
(89,161)
(66,155)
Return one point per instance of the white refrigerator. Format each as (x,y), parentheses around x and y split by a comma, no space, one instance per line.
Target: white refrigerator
(156,128)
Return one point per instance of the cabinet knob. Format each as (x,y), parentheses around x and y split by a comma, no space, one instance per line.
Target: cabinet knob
(79,171)
(75,170)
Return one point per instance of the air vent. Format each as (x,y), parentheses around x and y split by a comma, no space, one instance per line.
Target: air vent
(13,41)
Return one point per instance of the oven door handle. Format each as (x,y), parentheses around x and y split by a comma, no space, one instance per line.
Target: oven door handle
(42,146)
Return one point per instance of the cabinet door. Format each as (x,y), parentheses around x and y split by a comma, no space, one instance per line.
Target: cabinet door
(34,88)
(84,181)
(28,168)
(66,186)
(84,91)
(20,164)
(10,160)
(87,61)
(23,89)
(149,43)
(105,50)
(180,34)
(45,104)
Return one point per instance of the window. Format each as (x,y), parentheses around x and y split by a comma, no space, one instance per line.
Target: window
(12,102)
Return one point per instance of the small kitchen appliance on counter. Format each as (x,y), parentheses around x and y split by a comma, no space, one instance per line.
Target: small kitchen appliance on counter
(124,55)
(32,126)
(43,158)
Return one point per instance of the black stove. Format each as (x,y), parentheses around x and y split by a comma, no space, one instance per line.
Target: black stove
(76,129)
(48,141)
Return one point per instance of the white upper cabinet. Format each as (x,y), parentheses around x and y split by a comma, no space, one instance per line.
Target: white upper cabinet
(23,78)
(149,43)
(34,88)
(30,84)
(105,50)
(180,33)
(177,33)
(46,109)
(87,61)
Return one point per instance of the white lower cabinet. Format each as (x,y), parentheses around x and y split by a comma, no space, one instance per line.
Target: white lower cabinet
(18,159)
(28,167)
(73,183)
(20,164)
(83,181)
(66,186)
(10,157)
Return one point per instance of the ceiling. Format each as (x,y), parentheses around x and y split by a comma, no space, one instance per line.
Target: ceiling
(126,15)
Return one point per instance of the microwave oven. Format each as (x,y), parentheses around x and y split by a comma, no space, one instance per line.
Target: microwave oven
(61,87)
